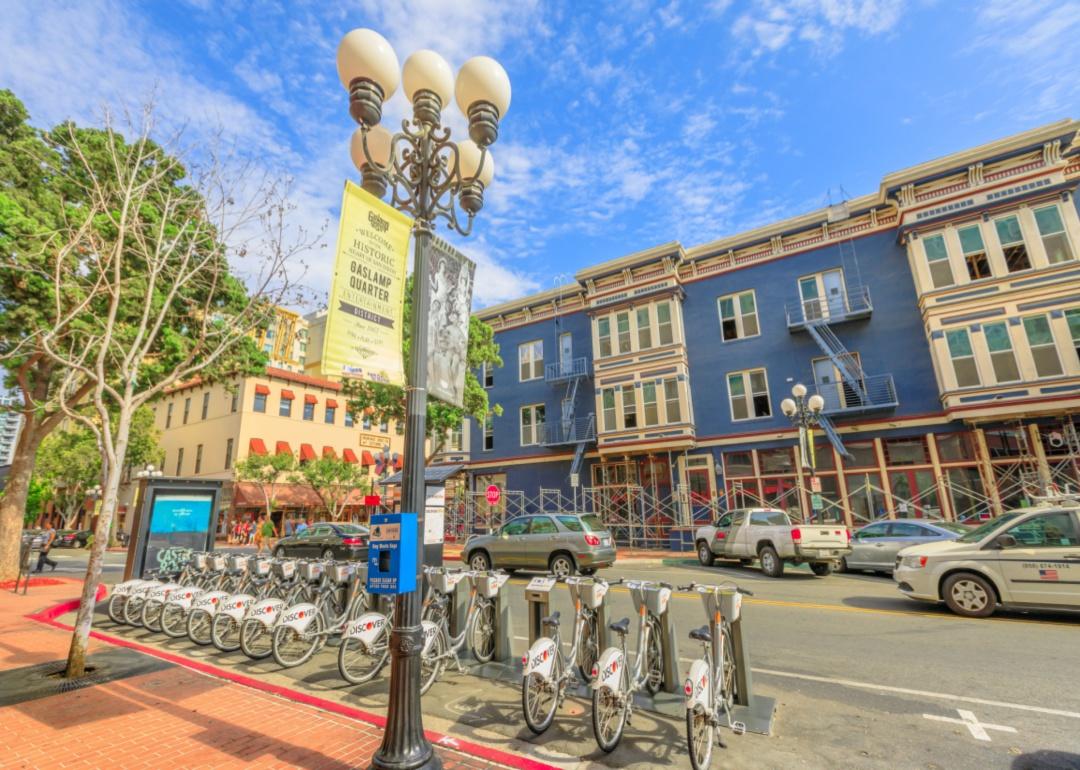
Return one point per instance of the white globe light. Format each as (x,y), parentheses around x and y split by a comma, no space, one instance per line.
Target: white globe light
(364,53)
(799,390)
(817,403)
(378,144)
(427,71)
(788,407)
(469,161)
(482,79)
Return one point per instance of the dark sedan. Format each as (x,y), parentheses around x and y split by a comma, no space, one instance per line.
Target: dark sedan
(327,540)
(72,538)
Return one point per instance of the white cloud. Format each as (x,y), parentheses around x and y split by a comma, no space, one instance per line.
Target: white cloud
(772,25)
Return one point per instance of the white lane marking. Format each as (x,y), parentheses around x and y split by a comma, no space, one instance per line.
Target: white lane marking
(970,721)
(923,693)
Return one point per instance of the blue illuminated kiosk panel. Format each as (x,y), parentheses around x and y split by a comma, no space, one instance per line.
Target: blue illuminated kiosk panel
(392,554)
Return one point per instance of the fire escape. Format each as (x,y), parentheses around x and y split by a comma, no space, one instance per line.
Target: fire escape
(570,429)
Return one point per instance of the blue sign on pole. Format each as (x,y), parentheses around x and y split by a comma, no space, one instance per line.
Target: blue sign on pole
(392,553)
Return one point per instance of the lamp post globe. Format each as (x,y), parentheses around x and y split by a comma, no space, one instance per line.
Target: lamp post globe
(368,69)
(483,93)
(816,403)
(788,407)
(798,390)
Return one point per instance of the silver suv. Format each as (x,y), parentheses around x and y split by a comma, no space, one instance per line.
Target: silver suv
(562,543)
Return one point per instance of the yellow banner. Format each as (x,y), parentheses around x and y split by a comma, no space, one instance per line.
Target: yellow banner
(367,297)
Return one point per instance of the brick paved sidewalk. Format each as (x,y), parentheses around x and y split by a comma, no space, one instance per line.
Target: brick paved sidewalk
(175,717)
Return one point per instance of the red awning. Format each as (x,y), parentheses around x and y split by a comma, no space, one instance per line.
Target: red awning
(256,446)
(349,455)
(366,458)
(248,494)
(288,395)
(328,451)
(371,499)
(283,448)
(262,390)
(307,452)
(331,403)
(310,399)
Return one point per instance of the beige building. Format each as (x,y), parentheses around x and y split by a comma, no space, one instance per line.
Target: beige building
(284,340)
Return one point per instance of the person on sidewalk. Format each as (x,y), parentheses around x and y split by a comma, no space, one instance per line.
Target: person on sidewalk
(48,538)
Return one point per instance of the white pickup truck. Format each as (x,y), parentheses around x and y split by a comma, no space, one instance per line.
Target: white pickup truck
(769,535)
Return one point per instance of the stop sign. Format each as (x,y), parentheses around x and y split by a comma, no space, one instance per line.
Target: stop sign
(492,494)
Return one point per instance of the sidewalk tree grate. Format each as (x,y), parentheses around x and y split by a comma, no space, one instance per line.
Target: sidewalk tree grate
(42,680)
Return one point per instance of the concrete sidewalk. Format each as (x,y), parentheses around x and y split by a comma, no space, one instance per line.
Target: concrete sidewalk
(173,715)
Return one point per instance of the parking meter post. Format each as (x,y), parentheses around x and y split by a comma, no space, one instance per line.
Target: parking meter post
(504,633)
(670,649)
(538,600)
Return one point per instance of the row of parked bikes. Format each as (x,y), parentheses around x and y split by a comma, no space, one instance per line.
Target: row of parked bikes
(291,608)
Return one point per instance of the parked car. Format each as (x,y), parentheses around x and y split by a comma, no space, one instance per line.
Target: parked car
(328,540)
(562,543)
(1028,558)
(73,538)
(769,535)
(874,547)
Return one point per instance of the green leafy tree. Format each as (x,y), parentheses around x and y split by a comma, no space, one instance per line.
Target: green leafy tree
(387,402)
(268,472)
(37,496)
(334,480)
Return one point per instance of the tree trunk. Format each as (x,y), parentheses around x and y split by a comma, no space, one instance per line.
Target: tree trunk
(80,638)
(13,501)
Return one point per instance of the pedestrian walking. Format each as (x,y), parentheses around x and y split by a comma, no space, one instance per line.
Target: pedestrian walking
(48,538)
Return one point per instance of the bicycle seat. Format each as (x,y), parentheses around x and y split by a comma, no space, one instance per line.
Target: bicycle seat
(622,628)
(551,620)
(701,634)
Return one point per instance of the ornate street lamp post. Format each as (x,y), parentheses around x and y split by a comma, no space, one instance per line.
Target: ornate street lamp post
(428,177)
(804,413)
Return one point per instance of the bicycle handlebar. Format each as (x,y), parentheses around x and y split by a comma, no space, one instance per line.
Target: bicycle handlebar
(695,586)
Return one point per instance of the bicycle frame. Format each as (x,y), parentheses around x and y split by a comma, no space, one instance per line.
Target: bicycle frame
(540,659)
(704,685)
(611,671)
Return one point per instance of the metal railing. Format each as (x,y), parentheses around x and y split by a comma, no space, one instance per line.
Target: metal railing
(849,305)
(574,431)
(845,398)
(560,371)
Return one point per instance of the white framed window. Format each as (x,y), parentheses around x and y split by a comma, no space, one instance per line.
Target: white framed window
(1002,357)
(1011,238)
(629,407)
(963,358)
(749,394)
(937,259)
(1052,231)
(672,407)
(622,326)
(650,408)
(454,438)
(974,250)
(607,405)
(603,332)
(738,316)
(487,375)
(530,360)
(664,328)
(644,328)
(1073,319)
(1041,342)
(532,424)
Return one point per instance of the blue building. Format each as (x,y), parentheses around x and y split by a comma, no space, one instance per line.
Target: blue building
(938,317)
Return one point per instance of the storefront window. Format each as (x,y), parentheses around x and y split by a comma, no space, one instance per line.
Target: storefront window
(906,451)
(966,493)
(738,464)
(743,494)
(823,456)
(862,455)
(914,494)
(1003,442)
(955,447)
(777,460)
(865,497)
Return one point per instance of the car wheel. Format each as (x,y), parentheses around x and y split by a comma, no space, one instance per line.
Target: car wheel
(705,554)
(969,595)
(328,555)
(821,568)
(587,571)
(843,565)
(561,565)
(771,563)
(480,561)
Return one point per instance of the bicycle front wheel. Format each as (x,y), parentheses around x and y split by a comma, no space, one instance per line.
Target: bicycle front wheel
(255,639)
(654,658)
(225,633)
(199,624)
(359,663)
(483,633)
(133,610)
(173,620)
(699,737)
(608,718)
(431,662)
(293,648)
(115,608)
(151,614)
(588,648)
(539,697)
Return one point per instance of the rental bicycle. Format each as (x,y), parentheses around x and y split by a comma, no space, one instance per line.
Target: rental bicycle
(257,628)
(365,644)
(268,578)
(547,671)
(175,565)
(615,682)
(303,628)
(711,687)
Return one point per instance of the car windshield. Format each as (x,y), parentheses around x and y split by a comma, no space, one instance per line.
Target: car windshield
(592,523)
(952,526)
(983,530)
(351,529)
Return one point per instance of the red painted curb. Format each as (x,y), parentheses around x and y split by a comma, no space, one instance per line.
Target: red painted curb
(48,617)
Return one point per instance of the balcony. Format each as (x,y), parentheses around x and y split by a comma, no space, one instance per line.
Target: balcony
(562,432)
(842,399)
(850,305)
(561,371)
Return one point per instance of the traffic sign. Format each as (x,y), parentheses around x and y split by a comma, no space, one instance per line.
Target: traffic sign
(492,494)
(817,502)
(575,479)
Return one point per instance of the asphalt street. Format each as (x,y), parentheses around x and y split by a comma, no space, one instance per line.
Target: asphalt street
(862,677)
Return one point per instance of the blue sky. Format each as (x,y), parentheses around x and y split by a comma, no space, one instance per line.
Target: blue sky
(632,123)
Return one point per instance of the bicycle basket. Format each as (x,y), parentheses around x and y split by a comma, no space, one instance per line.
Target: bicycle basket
(656,599)
(238,563)
(262,567)
(592,594)
(311,570)
(200,560)
(285,569)
(340,573)
(730,605)
(445,582)
(489,585)
(217,562)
